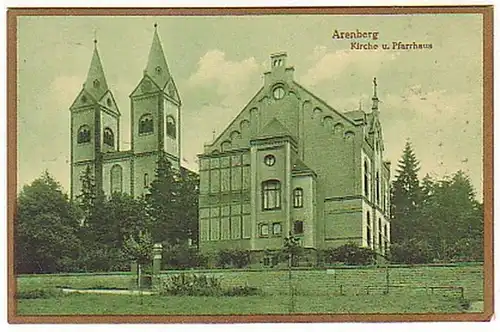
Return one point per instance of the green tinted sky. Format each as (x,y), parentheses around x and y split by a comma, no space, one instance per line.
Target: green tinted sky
(433,97)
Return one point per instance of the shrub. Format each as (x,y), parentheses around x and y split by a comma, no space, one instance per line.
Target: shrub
(235,258)
(241,291)
(37,293)
(192,285)
(350,254)
(411,252)
(183,257)
(202,285)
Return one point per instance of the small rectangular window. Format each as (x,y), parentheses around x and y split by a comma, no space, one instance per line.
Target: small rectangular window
(276,228)
(264,230)
(298,227)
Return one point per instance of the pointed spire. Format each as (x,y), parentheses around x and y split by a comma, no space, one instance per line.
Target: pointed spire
(96,83)
(375,98)
(157,67)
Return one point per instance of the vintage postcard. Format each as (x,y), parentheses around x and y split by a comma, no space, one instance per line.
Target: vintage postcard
(250,165)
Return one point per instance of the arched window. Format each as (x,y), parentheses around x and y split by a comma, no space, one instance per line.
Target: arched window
(146,180)
(366,180)
(83,135)
(298,227)
(108,137)
(298,198)
(380,243)
(171,130)
(271,195)
(116,179)
(146,124)
(368,230)
(377,192)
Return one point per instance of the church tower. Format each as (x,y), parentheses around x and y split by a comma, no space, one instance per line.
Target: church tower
(155,118)
(94,125)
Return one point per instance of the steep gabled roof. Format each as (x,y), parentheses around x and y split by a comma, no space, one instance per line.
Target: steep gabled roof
(157,68)
(274,128)
(96,84)
(325,104)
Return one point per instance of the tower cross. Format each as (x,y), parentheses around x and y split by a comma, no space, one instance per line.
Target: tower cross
(375,98)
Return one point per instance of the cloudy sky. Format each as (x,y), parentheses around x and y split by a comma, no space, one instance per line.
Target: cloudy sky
(431,97)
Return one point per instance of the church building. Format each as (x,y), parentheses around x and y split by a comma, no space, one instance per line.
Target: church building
(155,127)
(289,163)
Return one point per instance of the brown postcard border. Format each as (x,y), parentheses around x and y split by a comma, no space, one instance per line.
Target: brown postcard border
(486,11)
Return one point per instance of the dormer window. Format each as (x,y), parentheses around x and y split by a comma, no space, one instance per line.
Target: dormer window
(158,70)
(96,83)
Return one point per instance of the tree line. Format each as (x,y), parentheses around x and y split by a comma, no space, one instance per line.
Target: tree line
(91,232)
(434,220)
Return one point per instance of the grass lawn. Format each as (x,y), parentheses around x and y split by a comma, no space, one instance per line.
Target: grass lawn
(97,304)
(317,291)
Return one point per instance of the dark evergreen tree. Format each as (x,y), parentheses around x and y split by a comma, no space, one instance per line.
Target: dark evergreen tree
(172,205)
(161,201)
(90,199)
(405,197)
(187,205)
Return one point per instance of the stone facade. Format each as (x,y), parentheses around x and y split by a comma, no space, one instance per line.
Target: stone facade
(291,164)
(155,128)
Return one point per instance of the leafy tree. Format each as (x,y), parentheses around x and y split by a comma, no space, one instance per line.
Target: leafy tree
(406,197)
(46,226)
(139,248)
(292,250)
(124,216)
(451,215)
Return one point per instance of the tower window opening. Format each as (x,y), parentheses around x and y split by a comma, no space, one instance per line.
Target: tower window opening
(83,135)
(171,127)
(146,124)
(108,137)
